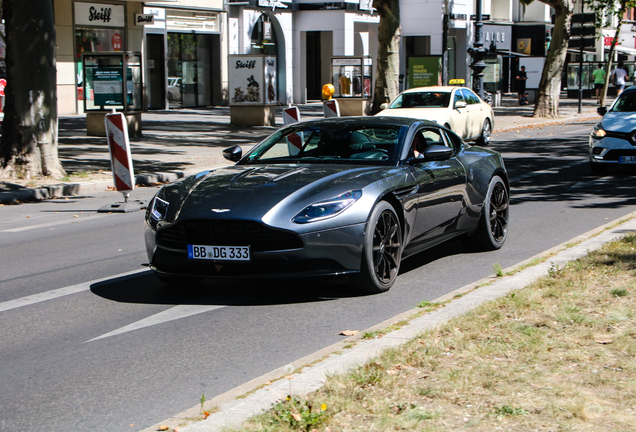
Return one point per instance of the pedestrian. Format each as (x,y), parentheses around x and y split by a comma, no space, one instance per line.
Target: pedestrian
(524,99)
(599,81)
(618,78)
(522,77)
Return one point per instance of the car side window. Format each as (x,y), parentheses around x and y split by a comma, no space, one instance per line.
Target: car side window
(431,137)
(458,97)
(471,98)
(452,140)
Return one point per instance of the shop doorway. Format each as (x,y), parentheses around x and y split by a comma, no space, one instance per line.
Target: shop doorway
(314,66)
(189,70)
(156,71)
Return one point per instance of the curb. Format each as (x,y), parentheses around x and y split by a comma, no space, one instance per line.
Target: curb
(255,396)
(80,188)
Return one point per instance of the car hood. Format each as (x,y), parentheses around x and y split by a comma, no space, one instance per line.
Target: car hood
(619,121)
(250,192)
(438,115)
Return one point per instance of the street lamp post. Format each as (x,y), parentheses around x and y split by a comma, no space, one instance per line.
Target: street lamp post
(478,53)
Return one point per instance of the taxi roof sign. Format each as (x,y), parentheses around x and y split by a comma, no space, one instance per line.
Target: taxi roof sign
(457,81)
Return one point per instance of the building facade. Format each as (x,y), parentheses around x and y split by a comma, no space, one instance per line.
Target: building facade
(183,53)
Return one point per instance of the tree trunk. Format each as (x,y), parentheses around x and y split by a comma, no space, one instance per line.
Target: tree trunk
(28,148)
(547,104)
(608,66)
(388,67)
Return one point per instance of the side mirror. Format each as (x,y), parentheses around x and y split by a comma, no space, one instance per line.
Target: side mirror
(384,105)
(437,152)
(601,111)
(233,154)
(460,104)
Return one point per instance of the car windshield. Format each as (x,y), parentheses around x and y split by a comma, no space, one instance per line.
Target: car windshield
(427,99)
(626,102)
(363,144)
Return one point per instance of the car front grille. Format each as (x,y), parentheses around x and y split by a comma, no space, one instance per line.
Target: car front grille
(223,232)
(613,155)
(627,136)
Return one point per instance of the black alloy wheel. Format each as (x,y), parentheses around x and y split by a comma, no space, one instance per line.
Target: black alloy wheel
(499,205)
(492,229)
(382,251)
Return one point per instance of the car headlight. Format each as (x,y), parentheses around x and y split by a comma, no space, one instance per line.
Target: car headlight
(327,209)
(159,209)
(598,132)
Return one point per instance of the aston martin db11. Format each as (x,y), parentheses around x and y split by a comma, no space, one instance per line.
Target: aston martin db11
(342,196)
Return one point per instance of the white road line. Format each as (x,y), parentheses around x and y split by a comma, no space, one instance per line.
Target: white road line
(587,129)
(61,292)
(49,224)
(177,312)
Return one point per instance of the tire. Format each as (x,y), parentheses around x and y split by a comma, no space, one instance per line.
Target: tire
(492,228)
(381,252)
(598,168)
(486,132)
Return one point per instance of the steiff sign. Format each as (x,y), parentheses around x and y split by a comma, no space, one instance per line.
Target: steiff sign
(100,14)
(143,19)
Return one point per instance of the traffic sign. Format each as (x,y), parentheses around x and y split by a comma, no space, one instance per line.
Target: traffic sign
(119,146)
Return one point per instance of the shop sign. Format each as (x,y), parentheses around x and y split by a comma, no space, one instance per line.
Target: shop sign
(99,14)
(143,19)
(346,62)
(253,79)
(425,71)
(272,4)
(534,69)
(366,5)
(523,46)
(116,42)
(270,80)
(499,37)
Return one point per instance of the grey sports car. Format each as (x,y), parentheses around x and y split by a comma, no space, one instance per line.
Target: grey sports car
(342,196)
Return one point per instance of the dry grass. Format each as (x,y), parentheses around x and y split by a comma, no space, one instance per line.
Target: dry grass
(559,355)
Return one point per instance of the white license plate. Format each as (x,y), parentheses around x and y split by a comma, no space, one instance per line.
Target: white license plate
(219,253)
(627,160)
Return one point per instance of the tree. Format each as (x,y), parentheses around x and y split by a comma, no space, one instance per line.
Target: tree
(547,104)
(28,147)
(604,13)
(388,67)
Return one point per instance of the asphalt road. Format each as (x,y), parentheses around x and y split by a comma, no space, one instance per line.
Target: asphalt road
(91,341)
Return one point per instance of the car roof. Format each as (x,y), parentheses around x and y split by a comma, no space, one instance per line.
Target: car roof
(432,89)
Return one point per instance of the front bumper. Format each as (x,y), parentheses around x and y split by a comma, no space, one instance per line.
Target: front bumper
(336,251)
(608,150)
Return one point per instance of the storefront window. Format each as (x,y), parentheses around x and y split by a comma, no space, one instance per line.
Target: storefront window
(492,74)
(189,69)
(351,76)
(95,40)
(113,81)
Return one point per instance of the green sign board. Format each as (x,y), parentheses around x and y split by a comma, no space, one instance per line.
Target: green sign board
(425,71)
(107,86)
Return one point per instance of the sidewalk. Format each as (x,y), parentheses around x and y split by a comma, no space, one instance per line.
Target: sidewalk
(178,143)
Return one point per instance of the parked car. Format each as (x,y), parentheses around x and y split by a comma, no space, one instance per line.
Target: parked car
(174,89)
(613,139)
(456,108)
(339,196)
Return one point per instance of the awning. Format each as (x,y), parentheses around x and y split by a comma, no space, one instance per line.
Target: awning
(630,51)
